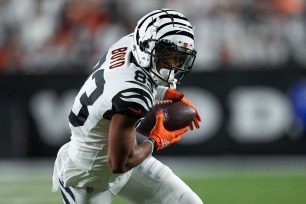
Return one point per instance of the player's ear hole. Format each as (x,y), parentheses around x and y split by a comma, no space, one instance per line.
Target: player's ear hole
(143,45)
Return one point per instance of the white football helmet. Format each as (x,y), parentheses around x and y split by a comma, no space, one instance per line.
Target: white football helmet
(163,45)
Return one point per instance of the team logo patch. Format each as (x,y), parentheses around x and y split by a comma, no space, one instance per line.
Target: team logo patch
(165,142)
(136,111)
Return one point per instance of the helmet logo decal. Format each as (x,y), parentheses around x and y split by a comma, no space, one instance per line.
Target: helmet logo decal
(185,45)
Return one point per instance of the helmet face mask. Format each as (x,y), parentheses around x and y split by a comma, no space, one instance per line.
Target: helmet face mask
(164,46)
(178,60)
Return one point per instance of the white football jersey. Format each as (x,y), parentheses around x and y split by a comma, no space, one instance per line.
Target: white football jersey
(116,85)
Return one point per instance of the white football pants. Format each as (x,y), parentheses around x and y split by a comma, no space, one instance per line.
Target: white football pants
(150,183)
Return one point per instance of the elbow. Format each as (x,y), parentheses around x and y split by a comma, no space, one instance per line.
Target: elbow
(117,170)
(117,167)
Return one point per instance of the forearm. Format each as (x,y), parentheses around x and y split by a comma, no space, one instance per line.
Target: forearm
(140,153)
(123,152)
(128,159)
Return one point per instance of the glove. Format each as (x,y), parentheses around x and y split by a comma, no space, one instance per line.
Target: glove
(162,137)
(172,94)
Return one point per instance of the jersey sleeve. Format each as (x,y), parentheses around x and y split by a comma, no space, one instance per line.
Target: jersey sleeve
(132,102)
(127,91)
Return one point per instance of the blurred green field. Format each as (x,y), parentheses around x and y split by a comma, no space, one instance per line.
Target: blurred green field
(282,184)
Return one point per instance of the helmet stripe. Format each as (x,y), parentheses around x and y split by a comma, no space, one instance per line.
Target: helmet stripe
(177,32)
(170,23)
(167,16)
(152,14)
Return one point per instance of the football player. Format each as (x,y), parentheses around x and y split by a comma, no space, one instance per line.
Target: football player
(103,159)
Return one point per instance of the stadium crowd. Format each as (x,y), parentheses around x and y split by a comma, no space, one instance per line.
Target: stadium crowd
(69,36)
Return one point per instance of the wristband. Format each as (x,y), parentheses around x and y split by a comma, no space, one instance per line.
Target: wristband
(154,145)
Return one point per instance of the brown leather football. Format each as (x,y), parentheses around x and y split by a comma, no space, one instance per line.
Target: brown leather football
(177,115)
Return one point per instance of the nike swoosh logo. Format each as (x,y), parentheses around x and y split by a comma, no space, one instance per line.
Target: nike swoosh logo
(136,111)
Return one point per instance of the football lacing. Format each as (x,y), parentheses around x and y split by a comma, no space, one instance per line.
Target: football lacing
(162,102)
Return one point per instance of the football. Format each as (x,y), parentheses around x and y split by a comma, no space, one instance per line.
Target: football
(177,115)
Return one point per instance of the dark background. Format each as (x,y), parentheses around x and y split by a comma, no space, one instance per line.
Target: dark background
(28,133)
(248,80)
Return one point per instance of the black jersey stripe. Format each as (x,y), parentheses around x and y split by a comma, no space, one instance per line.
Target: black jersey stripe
(135,93)
(141,85)
(68,190)
(139,94)
(64,197)
(177,32)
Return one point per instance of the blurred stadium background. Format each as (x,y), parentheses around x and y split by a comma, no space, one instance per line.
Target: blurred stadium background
(249,83)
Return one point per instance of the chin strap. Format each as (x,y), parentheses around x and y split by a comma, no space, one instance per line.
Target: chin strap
(159,78)
(172,86)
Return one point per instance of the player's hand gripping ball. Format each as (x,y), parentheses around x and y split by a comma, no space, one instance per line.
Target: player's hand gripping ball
(177,115)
